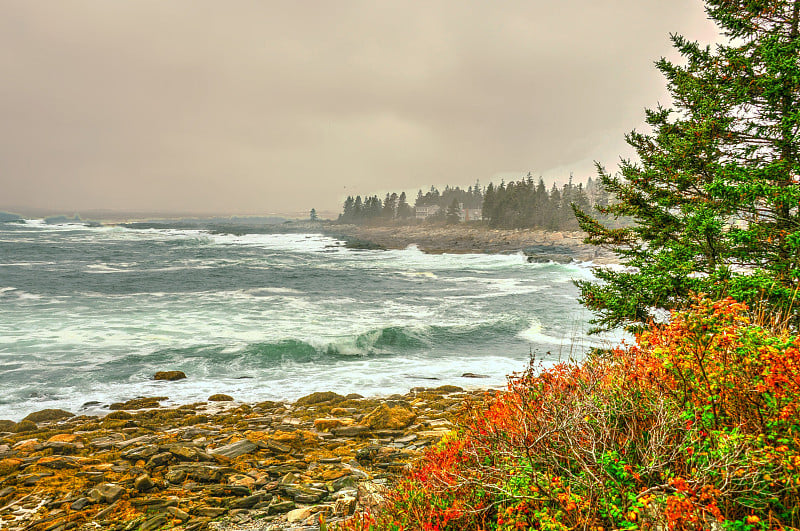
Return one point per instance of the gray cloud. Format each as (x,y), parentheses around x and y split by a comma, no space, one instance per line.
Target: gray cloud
(256,107)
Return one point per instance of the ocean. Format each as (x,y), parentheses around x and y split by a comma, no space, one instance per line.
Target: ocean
(88,314)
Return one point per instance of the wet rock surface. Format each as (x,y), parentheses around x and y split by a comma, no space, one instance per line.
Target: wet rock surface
(216,465)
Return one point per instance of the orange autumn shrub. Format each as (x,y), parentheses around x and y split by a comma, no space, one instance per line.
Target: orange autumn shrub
(695,425)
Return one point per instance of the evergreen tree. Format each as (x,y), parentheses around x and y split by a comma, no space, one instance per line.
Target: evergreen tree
(347,214)
(404,210)
(358,208)
(714,194)
(313,215)
(453,212)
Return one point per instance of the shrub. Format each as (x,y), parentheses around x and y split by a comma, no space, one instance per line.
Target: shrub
(697,422)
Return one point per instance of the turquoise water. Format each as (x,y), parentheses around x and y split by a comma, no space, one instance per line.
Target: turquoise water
(89,314)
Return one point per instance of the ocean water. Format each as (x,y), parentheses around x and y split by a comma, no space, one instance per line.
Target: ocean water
(89,314)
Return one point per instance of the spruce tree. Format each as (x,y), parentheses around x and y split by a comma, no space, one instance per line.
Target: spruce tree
(453,212)
(714,194)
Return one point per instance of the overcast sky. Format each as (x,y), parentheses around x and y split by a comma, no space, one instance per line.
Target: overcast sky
(273,107)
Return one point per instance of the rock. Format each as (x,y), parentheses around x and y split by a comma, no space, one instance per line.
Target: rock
(236,449)
(177,513)
(303,494)
(351,431)
(107,492)
(57,462)
(48,415)
(25,426)
(139,403)
(280,507)
(170,376)
(5,450)
(64,443)
(7,425)
(193,420)
(345,506)
(247,502)
(219,397)
(159,460)
(119,415)
(241,480)
(298,515)
(148,504)
(140,452)
(275,446)
(197,524)
(79,504)
(326,424)
(354,396)
(153,523)
(105,512)
(201,473)
(449,389)
(176,477)
(318,398)
(386,417)
(210,512)
(184,453)
(143,483)
(473,375)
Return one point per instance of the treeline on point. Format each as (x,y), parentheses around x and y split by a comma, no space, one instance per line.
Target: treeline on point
(526,203)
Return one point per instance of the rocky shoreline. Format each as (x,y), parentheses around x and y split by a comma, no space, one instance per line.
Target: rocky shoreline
(216,465)
(538,245)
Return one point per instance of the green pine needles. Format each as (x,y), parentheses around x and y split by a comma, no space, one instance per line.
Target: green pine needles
(716,190)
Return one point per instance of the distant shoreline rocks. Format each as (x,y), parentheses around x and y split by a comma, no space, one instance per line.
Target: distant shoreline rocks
(538,245)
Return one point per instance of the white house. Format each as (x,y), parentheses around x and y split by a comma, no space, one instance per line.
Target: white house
(423,212)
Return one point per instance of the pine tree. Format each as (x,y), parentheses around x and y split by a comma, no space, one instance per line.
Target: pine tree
(714,194)
(404,211)
(453,212)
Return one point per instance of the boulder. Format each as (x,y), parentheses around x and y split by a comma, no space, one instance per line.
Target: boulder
(169,376)
(345,506)
(177,513)
(138,403)
(25,426)
(143,483)
(386,417)
(176,477)
(318,398)
(107,492)
(219,397)
(155,522)
(236,449)
(48,415)
(298,515)
(449,389)
(119,415)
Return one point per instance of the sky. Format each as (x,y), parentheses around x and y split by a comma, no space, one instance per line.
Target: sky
(265,107)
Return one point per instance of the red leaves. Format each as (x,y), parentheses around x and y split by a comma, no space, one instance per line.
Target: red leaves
(683,424)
